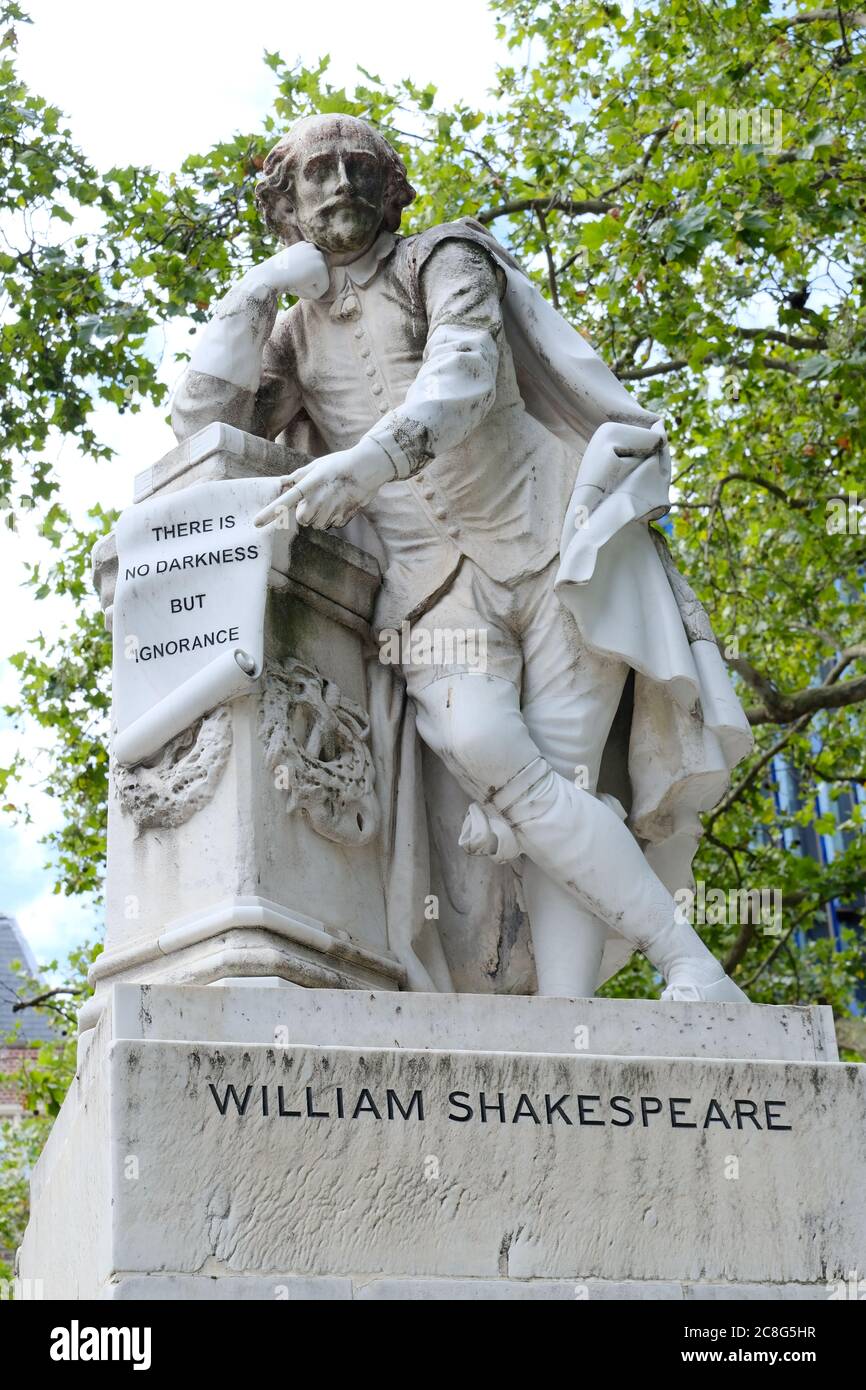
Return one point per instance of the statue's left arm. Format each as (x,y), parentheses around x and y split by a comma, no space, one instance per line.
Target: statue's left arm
(236,372)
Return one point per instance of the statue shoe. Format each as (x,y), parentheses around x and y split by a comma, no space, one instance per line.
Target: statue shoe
(721,991)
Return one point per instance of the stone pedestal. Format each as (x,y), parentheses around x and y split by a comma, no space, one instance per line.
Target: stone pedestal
(238,1143)
(351,1140)
(227,859)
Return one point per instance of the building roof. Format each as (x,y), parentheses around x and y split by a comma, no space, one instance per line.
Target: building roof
(30,1026)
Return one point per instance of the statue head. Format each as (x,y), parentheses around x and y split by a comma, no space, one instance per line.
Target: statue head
(334,181)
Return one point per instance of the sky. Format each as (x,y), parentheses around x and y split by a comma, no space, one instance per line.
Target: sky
(150,84)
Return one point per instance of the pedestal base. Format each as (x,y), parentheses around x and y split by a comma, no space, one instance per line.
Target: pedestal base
(227,1142)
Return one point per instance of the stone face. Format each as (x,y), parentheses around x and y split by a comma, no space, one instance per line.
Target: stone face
(229,1158)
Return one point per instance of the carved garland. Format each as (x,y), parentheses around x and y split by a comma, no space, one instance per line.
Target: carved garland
(316,746)
(168,789)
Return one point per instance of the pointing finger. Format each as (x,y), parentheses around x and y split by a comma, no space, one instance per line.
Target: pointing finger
(279,507)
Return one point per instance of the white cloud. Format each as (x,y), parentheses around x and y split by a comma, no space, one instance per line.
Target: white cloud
(150,84)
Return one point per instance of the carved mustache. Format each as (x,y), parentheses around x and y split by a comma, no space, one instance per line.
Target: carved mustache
(345,200)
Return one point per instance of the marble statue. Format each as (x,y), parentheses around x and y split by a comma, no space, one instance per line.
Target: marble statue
(467,436)
(413,720)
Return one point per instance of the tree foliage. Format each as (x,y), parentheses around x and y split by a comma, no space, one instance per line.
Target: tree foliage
(71,325)
(40,1078)
(722,277)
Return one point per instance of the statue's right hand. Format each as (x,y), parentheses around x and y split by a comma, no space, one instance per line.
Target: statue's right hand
(300,269)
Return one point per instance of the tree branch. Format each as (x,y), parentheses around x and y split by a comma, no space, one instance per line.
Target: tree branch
(639,169)
(576,207)
(660,369)
(754,772)
(779,946)
(855,18)
(796,503)
(761,684)
(778,335)
(779,708)
(790,707)
(551,264)
(842,777)
(775,364)
(42,999)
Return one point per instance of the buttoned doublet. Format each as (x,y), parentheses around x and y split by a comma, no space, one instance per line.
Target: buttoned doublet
(407,348)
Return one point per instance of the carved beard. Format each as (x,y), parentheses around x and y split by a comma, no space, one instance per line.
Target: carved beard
(342,225)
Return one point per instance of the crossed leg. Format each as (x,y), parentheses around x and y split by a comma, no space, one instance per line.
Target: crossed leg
(515,751)
(474,723)
(568,701)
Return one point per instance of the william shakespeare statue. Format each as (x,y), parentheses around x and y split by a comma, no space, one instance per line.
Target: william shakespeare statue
(464,433)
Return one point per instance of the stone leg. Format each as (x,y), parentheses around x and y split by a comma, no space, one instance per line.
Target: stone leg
(475,724)
(567,940)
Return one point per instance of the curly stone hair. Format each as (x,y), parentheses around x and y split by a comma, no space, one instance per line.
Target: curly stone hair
(274,193)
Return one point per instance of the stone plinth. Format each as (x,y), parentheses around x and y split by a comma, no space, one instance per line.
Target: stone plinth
(226,858)
(254,1143)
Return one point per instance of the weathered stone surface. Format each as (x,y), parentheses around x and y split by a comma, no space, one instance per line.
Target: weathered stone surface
(406,1164)
(167,791)
(754,1293)
(518,1199)
(186,1287)
(217,451)
(506,1290)
(477,1023)
(215,854)
(291,1288)
(589,1290)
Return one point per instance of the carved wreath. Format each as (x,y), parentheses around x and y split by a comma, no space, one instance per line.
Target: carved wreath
(169,788)
(315,741)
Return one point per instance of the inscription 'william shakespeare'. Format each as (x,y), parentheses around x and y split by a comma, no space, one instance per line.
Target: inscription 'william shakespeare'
(487,1107)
